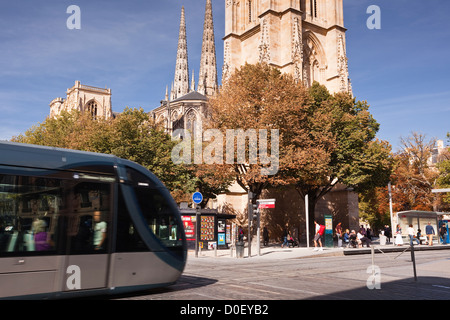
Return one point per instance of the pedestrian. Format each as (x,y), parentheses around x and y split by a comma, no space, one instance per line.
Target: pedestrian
(369,233)
(285,236)
(338,231)
(398,236)
(265,236)
(429,231)
(241,234)
(362,230)
(419,235)
(411,235)
(387,232)
(353,239)
(362,239)
(443,232)
(346,237)
(318,237)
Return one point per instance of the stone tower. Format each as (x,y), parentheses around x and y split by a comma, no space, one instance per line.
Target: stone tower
(305,38)
(93,100)
(207,82)
(180,85)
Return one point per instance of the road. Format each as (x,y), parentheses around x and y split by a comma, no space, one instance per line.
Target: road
(313,277)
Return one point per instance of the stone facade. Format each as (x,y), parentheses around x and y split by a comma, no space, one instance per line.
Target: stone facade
(186,107)
(96,101)
(207,81)
(186,112)
(180,85)
(305,38)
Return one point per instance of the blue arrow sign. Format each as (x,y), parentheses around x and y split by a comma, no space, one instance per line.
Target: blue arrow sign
(197,197)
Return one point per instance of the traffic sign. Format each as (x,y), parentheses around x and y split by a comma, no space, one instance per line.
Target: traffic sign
(266,203)
(197,197)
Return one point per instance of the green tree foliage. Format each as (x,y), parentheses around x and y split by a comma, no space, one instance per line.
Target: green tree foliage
(324,139)
(352,157)
(444,175)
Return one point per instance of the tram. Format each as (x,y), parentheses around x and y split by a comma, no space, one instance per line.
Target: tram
(76,223)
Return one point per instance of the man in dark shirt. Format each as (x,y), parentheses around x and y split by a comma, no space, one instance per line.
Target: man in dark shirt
(429,230)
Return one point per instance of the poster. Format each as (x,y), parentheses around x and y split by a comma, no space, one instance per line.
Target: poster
(207,228)
(221,238)
(189,227)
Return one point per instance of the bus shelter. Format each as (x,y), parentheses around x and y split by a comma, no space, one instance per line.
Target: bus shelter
(420,219)
(214,228)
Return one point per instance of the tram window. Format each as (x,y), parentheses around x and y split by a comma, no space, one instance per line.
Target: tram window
(89,219)
(128,238)
(156,210)
(29,209)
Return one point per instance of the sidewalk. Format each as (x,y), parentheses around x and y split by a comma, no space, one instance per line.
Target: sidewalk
(274,251)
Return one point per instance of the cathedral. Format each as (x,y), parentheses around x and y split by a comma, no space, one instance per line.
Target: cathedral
(93,100)
(186,106)
(304,38)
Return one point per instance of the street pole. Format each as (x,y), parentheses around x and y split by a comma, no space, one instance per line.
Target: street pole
(413,259)
(307,220)
(197,229)
(390,207)
(250,218)
(258,232)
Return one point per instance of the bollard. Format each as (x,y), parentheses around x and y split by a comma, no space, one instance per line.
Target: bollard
(413,259)
(239,249)
(215,249)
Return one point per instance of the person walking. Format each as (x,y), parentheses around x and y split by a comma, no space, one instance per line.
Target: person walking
(265,236)
(429,231)
(338,231)
(443,232)
(398,236)
(318,237)
(285,236)
(411,235)
(387,233)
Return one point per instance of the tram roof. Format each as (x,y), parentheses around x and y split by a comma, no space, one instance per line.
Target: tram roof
(28,155)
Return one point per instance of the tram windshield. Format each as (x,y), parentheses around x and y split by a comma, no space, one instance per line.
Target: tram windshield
(160,218)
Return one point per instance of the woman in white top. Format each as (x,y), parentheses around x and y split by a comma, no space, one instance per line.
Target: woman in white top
(411,235)
(398,237)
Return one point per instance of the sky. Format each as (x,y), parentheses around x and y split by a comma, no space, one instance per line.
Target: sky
(401,69)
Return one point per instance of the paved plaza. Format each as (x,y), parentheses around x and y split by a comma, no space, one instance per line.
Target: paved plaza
(284,274)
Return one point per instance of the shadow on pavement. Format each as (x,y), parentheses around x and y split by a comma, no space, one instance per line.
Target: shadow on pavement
(425,288)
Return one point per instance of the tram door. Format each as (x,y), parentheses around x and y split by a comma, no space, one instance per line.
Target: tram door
(88,227)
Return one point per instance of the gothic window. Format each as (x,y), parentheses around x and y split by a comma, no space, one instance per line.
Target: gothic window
(191,122)
(315,72)
(92,109)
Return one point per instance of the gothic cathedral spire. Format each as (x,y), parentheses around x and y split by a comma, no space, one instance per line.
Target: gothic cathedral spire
(181,80)
(207,82)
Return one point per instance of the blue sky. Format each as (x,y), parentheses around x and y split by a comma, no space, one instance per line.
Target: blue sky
(402,69)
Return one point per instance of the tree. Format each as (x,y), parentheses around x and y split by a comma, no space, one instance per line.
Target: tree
(414,177)
(444,176)
(258,99)
(324,139)
(348,154)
